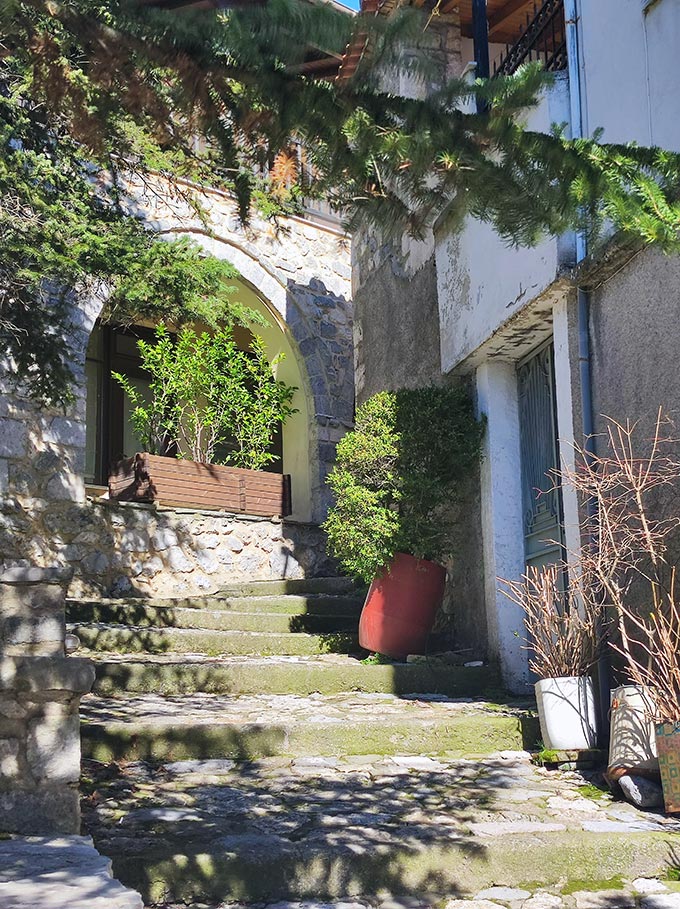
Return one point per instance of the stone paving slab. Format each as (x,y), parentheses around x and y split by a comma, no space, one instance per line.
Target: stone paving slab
(59,873)
(212,726)
(642,893)
(337,827)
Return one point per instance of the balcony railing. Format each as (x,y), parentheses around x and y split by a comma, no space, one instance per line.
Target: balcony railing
(544,38)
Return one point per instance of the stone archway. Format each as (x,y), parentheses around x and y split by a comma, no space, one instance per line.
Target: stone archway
(299,272)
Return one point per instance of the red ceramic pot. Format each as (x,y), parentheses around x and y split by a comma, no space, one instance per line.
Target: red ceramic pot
(401,606)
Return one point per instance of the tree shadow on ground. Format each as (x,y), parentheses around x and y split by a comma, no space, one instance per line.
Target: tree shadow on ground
(263,831)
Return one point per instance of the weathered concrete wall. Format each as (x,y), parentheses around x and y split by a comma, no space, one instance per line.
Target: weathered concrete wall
(397,324)
(397,346)
(635,339)
(482,282)
(629,56)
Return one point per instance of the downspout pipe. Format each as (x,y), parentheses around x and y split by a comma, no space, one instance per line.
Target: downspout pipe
(480,38)
(571,16)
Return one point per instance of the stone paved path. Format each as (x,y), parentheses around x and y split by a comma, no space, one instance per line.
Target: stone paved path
(59,873)
(261,774)
(349,707)
(642,893)
(470,823)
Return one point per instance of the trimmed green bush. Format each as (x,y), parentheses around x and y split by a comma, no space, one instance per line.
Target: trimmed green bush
(206,391)
(397,475)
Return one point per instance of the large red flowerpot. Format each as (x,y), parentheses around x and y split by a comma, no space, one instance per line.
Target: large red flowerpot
(401,606)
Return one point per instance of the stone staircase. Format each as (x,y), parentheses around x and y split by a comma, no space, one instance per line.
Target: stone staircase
(236,747)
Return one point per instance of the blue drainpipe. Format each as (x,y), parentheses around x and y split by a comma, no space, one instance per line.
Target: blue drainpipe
(583,320)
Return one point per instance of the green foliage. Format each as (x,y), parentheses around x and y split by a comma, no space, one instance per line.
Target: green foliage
(176,282)
(62,235)
(397,475)
(129,88)
(207,392)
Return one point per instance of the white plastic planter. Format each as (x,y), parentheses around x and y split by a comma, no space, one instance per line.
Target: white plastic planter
(566,712)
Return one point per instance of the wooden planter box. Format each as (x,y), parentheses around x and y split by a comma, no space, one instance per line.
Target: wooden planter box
(188,484)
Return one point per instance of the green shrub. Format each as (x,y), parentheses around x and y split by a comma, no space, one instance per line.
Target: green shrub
(207,392)
(397,475)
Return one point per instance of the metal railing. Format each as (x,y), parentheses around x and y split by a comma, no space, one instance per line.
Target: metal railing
(544,38)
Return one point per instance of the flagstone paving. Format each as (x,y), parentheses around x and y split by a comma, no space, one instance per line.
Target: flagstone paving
(358,825)
(321,780)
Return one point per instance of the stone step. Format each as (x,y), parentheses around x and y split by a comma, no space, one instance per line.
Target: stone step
(200,726)
(59,872)
(81,610)
(333,586)
(327,828)
(131,639)
(142,616)
(327,674)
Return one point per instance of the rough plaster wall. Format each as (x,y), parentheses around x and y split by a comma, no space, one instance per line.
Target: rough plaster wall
(396,324)
(635,337)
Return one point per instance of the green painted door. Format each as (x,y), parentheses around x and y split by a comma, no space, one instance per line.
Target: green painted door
(541,496)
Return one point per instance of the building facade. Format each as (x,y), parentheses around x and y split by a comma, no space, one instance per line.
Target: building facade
(509,319)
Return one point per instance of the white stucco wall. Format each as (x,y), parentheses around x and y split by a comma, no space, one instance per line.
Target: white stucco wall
(481,281)
(629,66)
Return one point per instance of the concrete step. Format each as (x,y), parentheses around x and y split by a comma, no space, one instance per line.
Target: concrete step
(168,674)
(333,586)
(81,610)
(142,616)
(200,726)
(132,639)
(328,828)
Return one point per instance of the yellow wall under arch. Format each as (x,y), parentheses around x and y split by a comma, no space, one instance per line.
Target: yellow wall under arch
(297,432)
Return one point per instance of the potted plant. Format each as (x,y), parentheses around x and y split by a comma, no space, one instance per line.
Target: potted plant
(632,486)
(211,404)
(396,478)
(562,636)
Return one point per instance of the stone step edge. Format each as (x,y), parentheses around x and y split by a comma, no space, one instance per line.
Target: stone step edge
(155,641)
(216,602)
(251,872)
(463,735)
(262,675)
(197,619)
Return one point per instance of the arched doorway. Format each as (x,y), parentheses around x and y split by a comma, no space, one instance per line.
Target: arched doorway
(109,431)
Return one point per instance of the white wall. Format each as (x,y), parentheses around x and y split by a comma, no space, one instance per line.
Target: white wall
(481,281)
(629,63)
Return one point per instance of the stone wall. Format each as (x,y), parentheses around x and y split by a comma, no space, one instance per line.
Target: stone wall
(40,691)
(302,269)
(140,550)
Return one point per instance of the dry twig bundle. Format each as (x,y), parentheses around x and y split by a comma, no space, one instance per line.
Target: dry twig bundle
(562,637)
(626,564)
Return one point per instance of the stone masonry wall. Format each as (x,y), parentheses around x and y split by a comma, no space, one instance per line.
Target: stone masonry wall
(140,550)
(40,691)
(45,520)
(303,270)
